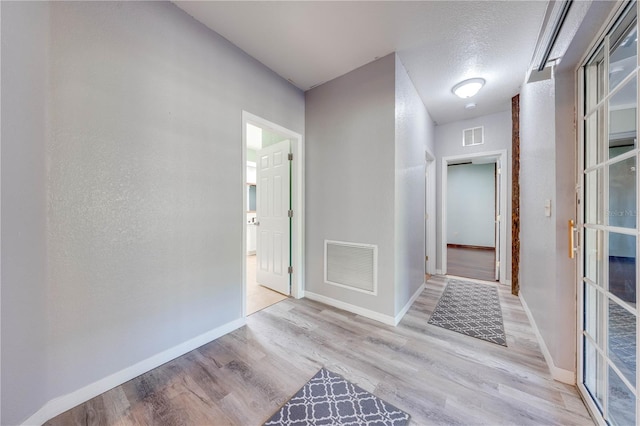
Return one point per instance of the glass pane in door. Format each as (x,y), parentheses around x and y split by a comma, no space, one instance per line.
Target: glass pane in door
(622,340)
(622,193)
(622,267)
(595,129)
(594,204)
(594,255)
(622,404)
(594,371)
(593,309)
(624,49)
(594,73)
(622,123)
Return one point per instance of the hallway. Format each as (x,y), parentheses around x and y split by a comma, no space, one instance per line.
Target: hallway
(124,191)
(471,263)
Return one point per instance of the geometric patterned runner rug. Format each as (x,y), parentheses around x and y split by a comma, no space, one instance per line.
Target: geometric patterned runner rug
(472,309)
(329,399)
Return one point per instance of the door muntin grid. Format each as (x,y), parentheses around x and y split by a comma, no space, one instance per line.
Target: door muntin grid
(610,227)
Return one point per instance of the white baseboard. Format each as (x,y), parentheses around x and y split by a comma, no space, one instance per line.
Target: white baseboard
(63,403)
(438,271)
(559,374)
(386,319)
(404,310)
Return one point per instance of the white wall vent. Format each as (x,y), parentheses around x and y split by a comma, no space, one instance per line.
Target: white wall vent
(473,136)
(352,266)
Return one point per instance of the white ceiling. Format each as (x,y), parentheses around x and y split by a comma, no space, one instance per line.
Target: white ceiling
(439,42)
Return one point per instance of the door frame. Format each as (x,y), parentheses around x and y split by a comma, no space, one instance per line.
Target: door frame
(297,202)
(579,215)
(430,213)
(502,155)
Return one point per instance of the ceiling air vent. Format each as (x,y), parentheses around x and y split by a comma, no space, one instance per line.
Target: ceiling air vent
(473,136)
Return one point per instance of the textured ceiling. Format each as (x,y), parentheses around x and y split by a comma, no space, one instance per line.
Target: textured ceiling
(439,42)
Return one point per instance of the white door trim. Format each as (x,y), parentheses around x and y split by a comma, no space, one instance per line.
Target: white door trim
(297,193)
(430,211)
(502,154)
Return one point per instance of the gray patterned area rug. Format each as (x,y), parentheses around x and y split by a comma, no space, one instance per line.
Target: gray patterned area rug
(329,399)
(472,309)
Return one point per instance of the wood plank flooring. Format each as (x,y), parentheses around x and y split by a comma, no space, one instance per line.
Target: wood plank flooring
(438,376)
(471,263)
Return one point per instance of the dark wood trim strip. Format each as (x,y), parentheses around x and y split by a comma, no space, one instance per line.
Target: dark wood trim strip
(464,246)
(515,198)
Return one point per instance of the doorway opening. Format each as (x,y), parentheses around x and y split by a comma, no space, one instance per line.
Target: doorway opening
(272,214)
(474,234)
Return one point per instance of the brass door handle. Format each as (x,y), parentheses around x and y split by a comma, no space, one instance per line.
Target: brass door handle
(572,229)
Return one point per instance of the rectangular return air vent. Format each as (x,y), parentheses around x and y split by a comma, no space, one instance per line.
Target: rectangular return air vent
(473,136)
(350,265)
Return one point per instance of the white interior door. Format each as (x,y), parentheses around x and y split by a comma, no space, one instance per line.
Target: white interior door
(272,212)
(498,219)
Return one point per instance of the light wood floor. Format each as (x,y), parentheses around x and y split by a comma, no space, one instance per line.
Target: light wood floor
(438,376)
(471,263)
(258,297)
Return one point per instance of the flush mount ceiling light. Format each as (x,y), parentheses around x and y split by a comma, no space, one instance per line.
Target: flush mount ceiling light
(468,88)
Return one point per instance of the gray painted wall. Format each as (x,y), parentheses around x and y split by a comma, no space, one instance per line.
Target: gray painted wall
(145,110)
(350,175)
(565,208)
(414,133)
(565,172)
(537,183)
(497,136)
(548,170)
(369,129)
(25,61)
(471,204)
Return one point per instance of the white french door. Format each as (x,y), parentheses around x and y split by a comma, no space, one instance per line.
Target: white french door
(608,225)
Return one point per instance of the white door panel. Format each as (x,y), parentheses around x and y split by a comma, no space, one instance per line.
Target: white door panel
(272,215)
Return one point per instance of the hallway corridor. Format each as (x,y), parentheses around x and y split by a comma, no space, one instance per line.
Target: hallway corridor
(478,264)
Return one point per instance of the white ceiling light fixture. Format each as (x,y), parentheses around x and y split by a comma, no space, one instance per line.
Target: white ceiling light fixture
(468,88)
